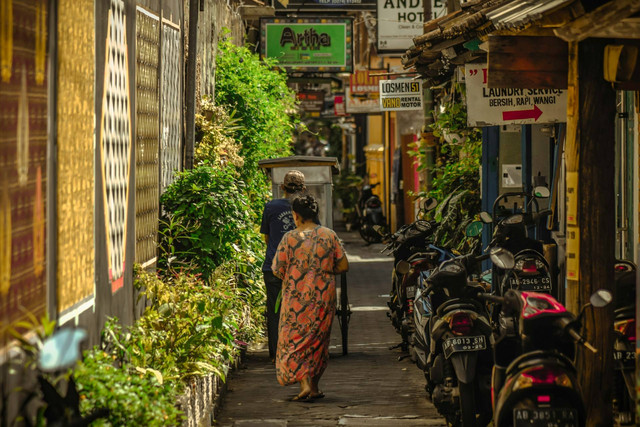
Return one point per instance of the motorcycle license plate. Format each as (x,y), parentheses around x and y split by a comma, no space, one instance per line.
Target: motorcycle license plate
(624,355)
(455,345)
(535,283)
(545,417)
(411,291)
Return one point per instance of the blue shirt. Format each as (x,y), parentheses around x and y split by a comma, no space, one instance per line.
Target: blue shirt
(277,220)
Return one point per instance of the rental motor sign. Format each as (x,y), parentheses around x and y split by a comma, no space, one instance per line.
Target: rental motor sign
(500,106)
(400,95)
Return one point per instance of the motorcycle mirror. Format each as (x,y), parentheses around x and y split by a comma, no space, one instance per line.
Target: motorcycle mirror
(429,204)
(601,298)
(61,350)
(473,229)
(486,217)
(502,258)
(403,267)
(541,192)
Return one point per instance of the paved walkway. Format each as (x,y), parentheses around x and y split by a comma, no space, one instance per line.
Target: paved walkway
(368,387)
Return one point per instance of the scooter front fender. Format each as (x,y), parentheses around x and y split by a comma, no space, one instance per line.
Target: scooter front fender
(464,365)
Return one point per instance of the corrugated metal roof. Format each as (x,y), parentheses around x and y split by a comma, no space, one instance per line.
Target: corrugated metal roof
(522,12)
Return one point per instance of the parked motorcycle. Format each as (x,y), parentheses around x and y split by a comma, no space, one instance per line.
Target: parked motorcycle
(531,271)
(459,364)
(55,355)
(410,244)
(370,216)
(624,355)
(534,379)
(422,311)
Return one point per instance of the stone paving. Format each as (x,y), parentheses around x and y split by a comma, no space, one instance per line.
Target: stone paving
(367,387)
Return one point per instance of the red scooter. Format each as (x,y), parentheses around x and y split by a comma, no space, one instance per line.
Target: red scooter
(534,379)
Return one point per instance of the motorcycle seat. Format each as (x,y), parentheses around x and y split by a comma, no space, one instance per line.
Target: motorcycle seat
(538,357)
(624,312)
(457,304)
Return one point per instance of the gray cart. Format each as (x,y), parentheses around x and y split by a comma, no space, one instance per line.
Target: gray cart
(318,173)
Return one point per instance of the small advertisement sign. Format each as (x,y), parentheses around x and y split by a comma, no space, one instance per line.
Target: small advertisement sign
(311,101)
(491,106)
(310,44)
(339,105)
(399,21)
(400,95)
(363,92)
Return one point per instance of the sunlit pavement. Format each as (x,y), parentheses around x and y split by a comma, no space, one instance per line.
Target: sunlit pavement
(368,387)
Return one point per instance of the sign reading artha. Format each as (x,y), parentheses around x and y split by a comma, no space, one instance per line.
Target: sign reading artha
(400,94)
(308,44)
(488,106)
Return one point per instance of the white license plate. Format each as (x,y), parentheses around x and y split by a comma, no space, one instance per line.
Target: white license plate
(535,283)
(455,345)
(411,291)
(545,417)
(624,355)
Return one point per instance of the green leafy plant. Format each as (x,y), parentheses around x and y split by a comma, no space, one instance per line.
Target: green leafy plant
(347,188)
(456,173)
(265,107)
(215,143)
(132,396)
(210,206)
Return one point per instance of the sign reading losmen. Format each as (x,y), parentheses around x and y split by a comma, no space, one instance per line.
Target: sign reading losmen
(400,95)
(399,21)
(311,44)
(491,106)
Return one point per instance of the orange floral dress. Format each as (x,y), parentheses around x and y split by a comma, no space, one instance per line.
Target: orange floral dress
(305,261)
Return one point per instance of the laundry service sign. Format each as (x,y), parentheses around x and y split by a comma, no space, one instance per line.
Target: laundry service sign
(310,44)
(502,106)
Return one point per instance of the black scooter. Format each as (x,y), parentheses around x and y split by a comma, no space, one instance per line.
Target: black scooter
(370,216)
(534,379)
(531,271)
(409,247)
(624,352)
(460,361)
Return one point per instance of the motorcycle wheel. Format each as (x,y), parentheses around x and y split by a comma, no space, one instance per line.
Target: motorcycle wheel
(369,235)
(467,404)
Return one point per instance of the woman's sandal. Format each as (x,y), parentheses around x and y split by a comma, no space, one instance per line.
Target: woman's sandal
(298,398)
(318,395)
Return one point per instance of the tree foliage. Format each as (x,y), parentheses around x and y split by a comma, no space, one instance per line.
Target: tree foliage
(265,107)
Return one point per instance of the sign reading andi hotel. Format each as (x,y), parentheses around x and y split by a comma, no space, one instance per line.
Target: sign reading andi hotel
(310,44)
(399,21)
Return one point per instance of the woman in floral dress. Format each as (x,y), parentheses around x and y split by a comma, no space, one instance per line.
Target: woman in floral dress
(306,260)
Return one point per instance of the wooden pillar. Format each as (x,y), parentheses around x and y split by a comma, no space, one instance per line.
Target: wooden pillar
(590,218)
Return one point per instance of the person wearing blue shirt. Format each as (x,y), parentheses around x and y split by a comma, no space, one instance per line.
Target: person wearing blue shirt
(277,220)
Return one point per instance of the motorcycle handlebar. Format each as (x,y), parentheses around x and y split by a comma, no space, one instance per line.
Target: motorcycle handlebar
(491,298)
(538,216)
(581,340)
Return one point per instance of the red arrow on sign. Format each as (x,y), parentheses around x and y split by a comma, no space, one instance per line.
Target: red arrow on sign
(535,113)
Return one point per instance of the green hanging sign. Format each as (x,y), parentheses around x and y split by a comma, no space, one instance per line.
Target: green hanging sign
(310,44)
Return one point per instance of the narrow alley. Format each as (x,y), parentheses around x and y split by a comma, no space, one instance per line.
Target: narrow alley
(368,387)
